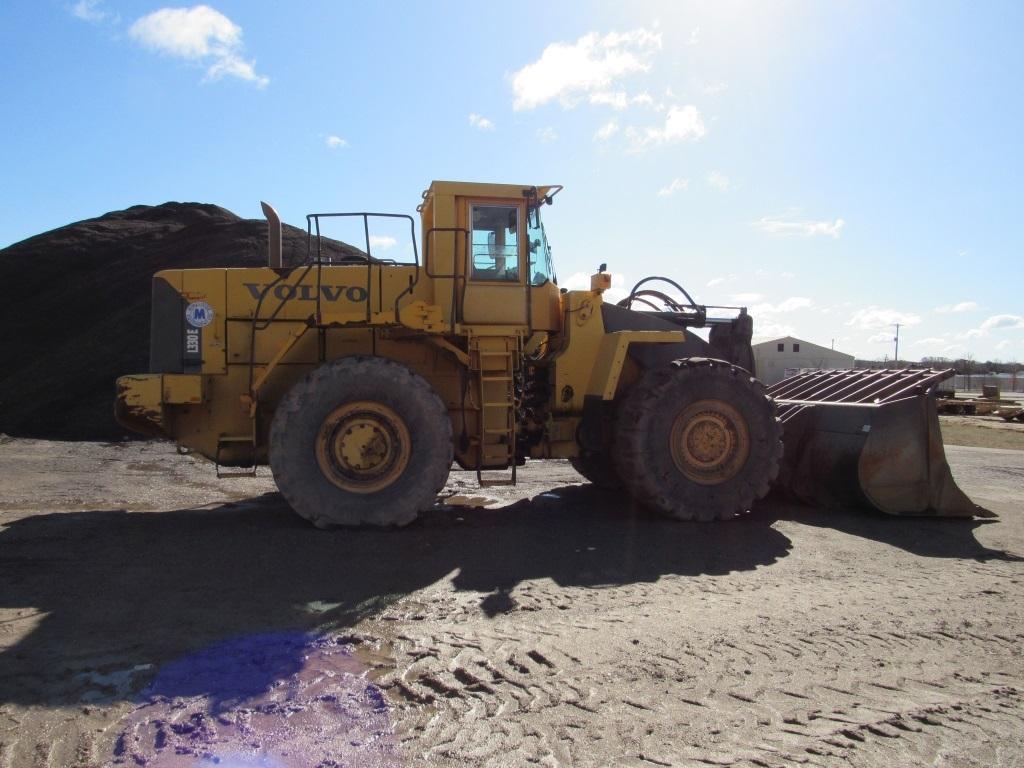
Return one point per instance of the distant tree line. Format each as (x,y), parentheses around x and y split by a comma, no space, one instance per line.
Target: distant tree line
(965,366)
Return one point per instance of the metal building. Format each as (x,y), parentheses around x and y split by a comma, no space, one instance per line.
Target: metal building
(788,356)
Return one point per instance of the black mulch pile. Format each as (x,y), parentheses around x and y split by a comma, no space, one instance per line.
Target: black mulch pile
(76,307)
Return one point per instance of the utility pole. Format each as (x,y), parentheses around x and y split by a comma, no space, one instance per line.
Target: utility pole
(896,357)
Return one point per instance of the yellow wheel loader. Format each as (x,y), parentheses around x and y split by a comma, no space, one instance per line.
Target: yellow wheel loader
(360,381)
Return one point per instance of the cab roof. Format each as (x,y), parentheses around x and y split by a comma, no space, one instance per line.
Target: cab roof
(482,189)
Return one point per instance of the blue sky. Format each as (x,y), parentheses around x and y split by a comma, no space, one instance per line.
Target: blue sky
(837,167)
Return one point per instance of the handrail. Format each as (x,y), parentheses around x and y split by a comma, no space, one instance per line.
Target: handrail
(455,276)
(313,221)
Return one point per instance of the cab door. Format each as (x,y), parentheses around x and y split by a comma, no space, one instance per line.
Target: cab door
(545,301)
(495,285)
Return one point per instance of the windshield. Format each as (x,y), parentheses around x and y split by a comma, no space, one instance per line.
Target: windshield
(541,268)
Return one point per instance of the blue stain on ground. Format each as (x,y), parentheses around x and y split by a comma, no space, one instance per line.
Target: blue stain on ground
(234,670)
(271,700)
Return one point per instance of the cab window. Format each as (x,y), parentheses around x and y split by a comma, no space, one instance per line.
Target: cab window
(541,268)
(495,242)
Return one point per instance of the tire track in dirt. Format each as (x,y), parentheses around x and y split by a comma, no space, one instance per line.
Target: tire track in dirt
(753,695)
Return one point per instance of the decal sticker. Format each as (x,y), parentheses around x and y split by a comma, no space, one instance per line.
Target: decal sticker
(192,341)
(199,314)
(192,360)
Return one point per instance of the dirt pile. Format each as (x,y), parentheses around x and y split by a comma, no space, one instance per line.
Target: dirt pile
(76,306)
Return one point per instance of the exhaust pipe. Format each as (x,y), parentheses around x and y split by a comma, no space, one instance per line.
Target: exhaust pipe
(273,236)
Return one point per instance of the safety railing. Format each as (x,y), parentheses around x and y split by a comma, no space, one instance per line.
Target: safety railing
(455,276)
(315,255)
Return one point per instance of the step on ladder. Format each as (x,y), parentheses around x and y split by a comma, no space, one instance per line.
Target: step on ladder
(494,359)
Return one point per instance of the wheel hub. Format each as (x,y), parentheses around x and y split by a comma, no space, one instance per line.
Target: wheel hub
(363,446)
(709,441)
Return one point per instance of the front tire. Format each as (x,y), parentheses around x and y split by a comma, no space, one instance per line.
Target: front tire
(698,440)
(361,441)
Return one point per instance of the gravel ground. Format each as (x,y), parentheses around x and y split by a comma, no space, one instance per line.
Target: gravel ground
(151,615)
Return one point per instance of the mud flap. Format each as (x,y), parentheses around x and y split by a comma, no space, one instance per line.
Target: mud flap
(868,438)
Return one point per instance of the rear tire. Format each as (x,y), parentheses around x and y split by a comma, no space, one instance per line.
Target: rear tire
(698,440)
(361,441)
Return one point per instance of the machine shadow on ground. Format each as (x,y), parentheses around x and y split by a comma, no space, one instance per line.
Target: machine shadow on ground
(116,589)
(945,537)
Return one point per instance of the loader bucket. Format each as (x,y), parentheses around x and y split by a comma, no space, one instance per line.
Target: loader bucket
(868,438)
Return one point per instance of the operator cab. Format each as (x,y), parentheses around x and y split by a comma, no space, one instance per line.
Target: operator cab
(486,248)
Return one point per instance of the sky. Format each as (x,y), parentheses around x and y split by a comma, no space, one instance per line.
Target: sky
(836,167)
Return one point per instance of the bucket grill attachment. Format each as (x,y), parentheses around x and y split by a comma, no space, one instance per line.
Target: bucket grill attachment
(868,437)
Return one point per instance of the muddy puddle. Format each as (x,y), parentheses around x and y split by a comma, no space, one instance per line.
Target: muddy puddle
(214,708)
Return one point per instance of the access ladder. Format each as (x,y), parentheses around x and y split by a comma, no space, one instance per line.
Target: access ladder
(493,361)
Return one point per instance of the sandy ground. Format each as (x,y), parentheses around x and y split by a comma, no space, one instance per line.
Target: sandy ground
(151,615)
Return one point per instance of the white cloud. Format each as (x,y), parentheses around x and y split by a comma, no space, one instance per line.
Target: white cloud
(565,71)
(606,131)
(236,67)
(92,11)
(1001,322)
(746,298)
(1004,344)
(872,318)
(786,275)
(881,338)
(681,124)
(616,100)
(791,304)
(713,89)
(547,134)
(775,225)
(335,142)
(199,34)
(577,281)
(720,280)
(935,346)
(676,185)
(382,242)
(481,122)
(719,181)
(619,100)
(963,306)
(771,330)
(645,99)
(694,36)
